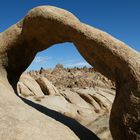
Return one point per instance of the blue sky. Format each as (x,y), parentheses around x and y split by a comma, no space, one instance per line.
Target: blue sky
(120,18)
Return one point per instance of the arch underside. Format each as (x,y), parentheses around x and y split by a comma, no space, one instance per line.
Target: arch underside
(45,26)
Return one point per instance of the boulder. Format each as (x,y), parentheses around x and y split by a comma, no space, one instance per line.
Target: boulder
(47,87)
(31,85)
(24,90)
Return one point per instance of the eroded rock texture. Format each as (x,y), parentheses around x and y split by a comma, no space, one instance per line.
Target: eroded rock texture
(41,28)
(90,105)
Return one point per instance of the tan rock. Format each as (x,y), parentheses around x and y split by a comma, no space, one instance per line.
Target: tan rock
(32,85)
(47,87)
(80,105)
(84,105)
(21,121)
(44,26)
(24,90)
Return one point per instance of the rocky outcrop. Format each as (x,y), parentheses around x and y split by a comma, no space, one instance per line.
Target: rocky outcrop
(46,25)
(20,121)
(89,106)
(28,86)
(32,85)
(74,77)
(47,87)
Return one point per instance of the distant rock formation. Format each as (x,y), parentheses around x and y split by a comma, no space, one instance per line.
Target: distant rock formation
(73,77)
(41,28)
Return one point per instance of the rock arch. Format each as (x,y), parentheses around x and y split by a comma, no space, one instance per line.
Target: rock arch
(46,25)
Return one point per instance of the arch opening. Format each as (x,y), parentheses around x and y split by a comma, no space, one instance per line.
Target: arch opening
(77,87)
(63,53)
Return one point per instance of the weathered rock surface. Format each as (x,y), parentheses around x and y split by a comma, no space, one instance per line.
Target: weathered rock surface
(47,87)
(22,122)
(32,85)
(89,106)
(24,90)
(75,77)
(41,28)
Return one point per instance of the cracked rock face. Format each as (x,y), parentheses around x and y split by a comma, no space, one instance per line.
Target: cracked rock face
(41,28)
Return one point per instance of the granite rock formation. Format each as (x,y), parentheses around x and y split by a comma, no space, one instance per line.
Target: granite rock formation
(41,28)
(79,93)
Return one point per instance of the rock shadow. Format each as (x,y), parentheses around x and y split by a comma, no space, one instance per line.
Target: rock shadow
(82,132)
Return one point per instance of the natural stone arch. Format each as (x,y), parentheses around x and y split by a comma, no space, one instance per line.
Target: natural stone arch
(44,26)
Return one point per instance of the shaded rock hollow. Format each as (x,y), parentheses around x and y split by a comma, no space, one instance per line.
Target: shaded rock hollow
(111,57)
